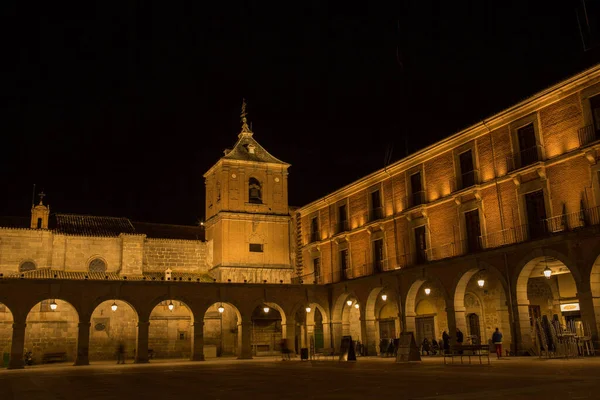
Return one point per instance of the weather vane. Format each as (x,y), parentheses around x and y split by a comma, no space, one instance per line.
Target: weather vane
(245,127)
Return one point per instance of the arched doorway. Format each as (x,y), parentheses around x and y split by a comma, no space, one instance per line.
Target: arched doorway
(426,311)
(113,323)
(268,323)
(548,305)
(480,306)
(6,322)
(221,323)
(51,332)
(382,323)
(317,327)
(170,331)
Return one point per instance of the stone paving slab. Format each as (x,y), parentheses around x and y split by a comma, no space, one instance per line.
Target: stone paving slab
(367,378)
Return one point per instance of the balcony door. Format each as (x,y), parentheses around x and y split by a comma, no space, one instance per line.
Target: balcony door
(536,213)
(473,228)
(378,255)
(421,244)
(528,153)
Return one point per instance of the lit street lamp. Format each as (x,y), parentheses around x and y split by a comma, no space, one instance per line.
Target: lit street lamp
(427,291)
(349,302)
(481,282)
(114,306)
(171,305)
(384,297)
(547,272)
(221,309)
(308,309)
(53,305)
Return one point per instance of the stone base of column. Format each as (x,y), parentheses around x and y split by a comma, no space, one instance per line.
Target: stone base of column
(81,361)
(197,357)
(16,364)
(245,357)
(141,361)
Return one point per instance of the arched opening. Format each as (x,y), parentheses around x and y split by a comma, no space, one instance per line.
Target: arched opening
(113,331)
(268,324)
(97,265)
(254,191)
(548,307)
(51,332)
(381,320)
(595,289)
(480,307)
(27,266)
(312,328)
(170,331)
(426,311)
(6,322)
(222,325)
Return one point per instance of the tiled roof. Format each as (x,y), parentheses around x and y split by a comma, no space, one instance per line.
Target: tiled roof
(240,151)
(15,222)
(165,231)
(49,273)
(89,225)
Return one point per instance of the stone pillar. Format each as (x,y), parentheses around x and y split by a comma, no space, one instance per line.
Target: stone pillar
(17,346)
(523,329)
(460,316)
(337,334)
(451,316)
(505,328)
(410,324)
(83,344)
(290,334)
(245,341)
(369,334)
(590,312)
(141,353)
(198,342)
(327,336)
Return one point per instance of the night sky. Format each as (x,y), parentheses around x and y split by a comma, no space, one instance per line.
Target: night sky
(119,108)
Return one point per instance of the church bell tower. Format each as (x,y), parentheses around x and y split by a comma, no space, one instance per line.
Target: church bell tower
(247,215)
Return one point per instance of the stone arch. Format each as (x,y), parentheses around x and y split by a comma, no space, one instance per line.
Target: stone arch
(594,293)
(171,326)
(6,322)
(27,265)
(442,320)
(531,267)
(97,264)
(308,324)
(51,330)
(373,324)
(222,331)
(268,328)
(110,328)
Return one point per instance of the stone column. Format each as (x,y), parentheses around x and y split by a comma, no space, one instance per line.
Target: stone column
(83,344)
(141,353)
(198,342)
(369,334)
(337,334)
(290,334)
(17,346)
(451,316)
(327,336)
(460,315)
(589,313)
(245,341)
(523,329)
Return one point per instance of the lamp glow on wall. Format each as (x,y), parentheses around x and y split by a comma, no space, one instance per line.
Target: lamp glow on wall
(221,309)
(427,291)
(171,305)
(114,306)
(53,305)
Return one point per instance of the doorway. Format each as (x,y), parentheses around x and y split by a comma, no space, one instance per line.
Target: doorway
(536,213)
(425,329)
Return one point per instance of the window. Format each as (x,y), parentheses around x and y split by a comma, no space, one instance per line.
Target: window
(182,335)
(342,219)
(421,244)
(254,191)
(416,189)
(317,268)
(27,266)
(39,223)
(467,169)
(375,212)
(256,247)
(378,255)
(595,105)
(314,229)
(97,265)
(473,229)
(536,213)
(528,151)
(344,263)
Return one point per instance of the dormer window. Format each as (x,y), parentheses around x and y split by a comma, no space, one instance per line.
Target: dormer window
(254,191)
(251,148)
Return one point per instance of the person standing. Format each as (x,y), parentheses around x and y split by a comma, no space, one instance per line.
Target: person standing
(121,353)
(497,340)
(446,341)
(459,339)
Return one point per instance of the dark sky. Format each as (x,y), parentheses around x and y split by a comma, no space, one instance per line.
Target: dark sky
(118,108)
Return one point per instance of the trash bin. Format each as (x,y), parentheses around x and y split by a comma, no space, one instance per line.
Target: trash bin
(5,359)
(304,353)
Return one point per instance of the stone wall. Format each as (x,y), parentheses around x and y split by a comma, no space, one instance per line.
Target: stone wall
(6,322)
(110,328)
(179,255)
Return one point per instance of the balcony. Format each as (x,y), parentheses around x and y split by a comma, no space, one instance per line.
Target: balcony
(375,214)
(587,135)
(468,179)
(342,226)
(524,158)
(415,199)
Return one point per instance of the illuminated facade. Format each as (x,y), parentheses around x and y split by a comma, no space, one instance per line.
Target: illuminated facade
(495,226)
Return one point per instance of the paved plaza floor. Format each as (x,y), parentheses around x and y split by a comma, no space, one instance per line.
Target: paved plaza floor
(271,378)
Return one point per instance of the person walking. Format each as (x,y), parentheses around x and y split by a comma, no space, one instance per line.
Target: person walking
(497,340)
(121,353)
(446,341)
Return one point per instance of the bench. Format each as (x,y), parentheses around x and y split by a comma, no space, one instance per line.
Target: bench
(60,356)
(468,350)
(326,352)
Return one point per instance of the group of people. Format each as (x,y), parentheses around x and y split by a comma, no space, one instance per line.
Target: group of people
(444,344)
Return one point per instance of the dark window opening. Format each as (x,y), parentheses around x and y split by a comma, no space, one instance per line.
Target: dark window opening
(378,255)
(342,219)
(536,214)
(528,151)
(416,190)
(254,191)
(421,245)
(256,247)
(39,223)
(97,265)
(317,268)
(467,169)
(314,229)
(27,266)
(473,230)
(375,212)
(344,263)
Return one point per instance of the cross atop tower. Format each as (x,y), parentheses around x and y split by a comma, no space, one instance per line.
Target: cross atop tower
(245,127)
(42,195)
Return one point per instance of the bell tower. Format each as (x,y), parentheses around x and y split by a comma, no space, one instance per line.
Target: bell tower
(247,215)
(39,214)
